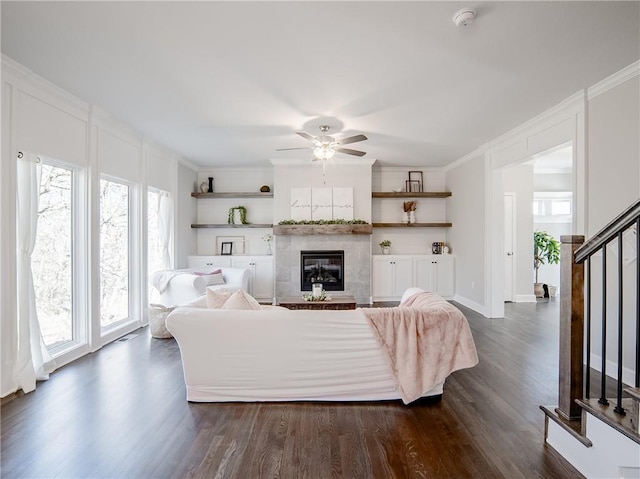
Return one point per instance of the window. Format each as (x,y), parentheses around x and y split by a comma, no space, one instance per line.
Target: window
(158,233)
(114,252)
(52,258)
(554,206)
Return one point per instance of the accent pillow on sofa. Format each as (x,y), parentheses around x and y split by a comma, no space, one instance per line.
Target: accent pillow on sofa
(217,297)
(241,300)
(214,278)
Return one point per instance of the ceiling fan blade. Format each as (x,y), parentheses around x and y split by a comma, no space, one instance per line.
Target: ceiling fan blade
(306,135)
(351,139)
(349,151)
(285,149)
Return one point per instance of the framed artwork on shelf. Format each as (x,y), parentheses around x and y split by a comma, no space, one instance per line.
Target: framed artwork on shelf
(226,248)
(237,244)
(415,181)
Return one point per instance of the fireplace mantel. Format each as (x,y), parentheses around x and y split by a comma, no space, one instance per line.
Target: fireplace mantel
(355,229)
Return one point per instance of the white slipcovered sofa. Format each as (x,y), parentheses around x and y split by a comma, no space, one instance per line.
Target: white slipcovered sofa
(269,353)
(179,287)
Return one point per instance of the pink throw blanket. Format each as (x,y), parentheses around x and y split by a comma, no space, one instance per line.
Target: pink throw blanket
(426,338)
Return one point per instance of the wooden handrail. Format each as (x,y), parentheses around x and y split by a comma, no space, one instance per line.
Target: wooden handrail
(623,221)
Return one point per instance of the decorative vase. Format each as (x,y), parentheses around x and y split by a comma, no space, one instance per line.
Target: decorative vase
(210,190)
(237,217)
(385,250)
(412,216)
(269,252)
(203,187)
(405,217)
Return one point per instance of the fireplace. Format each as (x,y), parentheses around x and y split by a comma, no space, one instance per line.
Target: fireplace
(326,267)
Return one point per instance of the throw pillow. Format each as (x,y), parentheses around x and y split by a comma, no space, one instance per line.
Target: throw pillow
(241,300)
(214,279)
(217,297)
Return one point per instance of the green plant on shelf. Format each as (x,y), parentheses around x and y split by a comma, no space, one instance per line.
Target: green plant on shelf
(243,215)
(338,221)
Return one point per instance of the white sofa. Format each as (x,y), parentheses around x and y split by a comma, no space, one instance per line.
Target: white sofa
(276,354)
(179,287)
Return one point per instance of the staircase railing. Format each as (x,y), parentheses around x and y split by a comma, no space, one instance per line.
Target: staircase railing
(575,299)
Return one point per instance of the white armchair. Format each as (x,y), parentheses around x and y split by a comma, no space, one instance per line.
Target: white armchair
(179,287)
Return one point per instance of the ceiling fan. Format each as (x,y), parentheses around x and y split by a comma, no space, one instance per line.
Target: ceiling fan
(325,146)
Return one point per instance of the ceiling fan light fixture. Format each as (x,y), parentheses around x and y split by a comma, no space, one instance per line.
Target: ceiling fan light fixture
(323,152)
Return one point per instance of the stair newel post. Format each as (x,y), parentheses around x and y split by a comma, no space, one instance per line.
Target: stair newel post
(571,328)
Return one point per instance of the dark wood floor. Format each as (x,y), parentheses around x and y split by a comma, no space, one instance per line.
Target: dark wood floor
(122,413)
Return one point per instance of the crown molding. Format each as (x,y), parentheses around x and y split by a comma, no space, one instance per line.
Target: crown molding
(478,152)
(618,78)
(27,80)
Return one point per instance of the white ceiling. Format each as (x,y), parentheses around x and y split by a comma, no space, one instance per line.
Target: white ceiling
(227,83)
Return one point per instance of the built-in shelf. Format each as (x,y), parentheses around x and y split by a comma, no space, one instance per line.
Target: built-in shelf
(224,225)
(358,229)
(412,225)
(233,195)
(412,194)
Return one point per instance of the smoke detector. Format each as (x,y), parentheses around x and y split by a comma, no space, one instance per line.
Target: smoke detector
(464,17)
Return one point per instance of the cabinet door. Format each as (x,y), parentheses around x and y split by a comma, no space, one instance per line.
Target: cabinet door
(202,261)
(403,275)
(382,276)
(424,273)
(445,276)
(263,278)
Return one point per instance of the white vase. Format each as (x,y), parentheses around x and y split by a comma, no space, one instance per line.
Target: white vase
(412,216)
(405,217)
(385,250)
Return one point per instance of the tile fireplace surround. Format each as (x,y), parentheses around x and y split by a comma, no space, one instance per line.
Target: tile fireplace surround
(357,263)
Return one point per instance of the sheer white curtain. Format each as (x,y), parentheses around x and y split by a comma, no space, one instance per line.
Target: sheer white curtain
(165,213)
(33,361)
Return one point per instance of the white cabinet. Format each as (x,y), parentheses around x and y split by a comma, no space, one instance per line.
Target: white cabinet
(261,267)
(205,261)
(391,276)
(435,273)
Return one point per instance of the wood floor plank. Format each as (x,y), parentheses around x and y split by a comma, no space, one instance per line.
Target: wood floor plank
(122,413)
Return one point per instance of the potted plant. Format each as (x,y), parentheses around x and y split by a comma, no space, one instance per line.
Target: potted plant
(385,245)
(546,250)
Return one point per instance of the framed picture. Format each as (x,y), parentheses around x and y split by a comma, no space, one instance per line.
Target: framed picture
(237,244)
(226,248)
(415,181)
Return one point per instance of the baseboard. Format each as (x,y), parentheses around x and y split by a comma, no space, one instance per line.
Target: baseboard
(467,303)
(628,376)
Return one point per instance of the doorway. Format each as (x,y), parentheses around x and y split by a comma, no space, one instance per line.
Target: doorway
(552,172)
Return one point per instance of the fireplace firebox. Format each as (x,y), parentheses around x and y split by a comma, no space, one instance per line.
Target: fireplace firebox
(326,267)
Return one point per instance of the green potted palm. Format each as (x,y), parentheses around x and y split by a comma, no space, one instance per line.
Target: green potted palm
(546,250)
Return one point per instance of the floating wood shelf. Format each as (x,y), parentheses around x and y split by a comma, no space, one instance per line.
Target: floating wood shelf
(224,225)
(233,195)
(358,229)
(412,225)
(408,194)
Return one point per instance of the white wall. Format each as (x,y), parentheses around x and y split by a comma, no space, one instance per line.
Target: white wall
(40,118)
(606,174)
(519,180)
(304,173)
(614,184)
(215,211)
(428,210)
(186,215)
(466,210)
